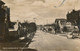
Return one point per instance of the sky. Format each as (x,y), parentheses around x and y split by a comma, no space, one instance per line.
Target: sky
(40,11)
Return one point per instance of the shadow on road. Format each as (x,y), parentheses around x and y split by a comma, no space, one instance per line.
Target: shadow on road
(30,50)
(64,35)
(20,50)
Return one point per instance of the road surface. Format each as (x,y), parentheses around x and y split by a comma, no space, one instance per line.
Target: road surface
(43,41)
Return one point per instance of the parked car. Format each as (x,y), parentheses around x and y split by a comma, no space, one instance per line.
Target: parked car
(59,25)
(68,27)
(74,33)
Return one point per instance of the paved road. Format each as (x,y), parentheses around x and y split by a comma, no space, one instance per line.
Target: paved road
(50,42)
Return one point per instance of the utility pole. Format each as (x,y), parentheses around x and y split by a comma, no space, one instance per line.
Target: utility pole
(47,21)
(34,20)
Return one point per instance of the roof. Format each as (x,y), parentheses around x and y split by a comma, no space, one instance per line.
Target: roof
(60,19)
(1,2)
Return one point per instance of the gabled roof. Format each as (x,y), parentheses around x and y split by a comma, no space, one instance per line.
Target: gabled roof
(1,2)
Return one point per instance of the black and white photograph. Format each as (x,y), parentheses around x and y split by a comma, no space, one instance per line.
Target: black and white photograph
(39,25)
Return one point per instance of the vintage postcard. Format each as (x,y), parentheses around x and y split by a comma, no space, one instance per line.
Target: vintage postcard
(39,25)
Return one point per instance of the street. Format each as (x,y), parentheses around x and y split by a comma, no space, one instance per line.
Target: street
(43,41)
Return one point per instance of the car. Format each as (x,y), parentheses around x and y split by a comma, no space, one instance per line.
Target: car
(59,25)
(74,33)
